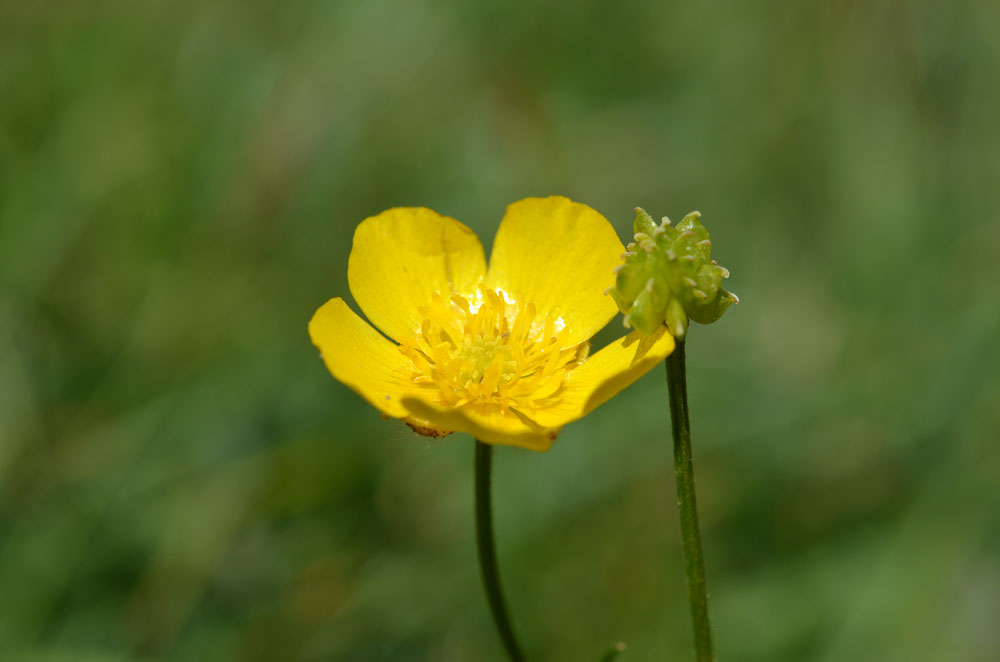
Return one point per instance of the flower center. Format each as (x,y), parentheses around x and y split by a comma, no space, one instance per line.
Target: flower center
(490,351)
(479,354)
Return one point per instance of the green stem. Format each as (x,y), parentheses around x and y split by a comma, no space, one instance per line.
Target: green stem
(488,553)
(694,561)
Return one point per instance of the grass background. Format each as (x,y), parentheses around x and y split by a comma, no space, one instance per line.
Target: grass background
(180,479)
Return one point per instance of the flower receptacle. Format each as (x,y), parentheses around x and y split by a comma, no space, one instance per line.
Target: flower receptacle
(668,277)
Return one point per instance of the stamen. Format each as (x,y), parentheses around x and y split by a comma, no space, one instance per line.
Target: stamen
(489,350)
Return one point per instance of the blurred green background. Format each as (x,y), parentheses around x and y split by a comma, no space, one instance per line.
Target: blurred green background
(181,479)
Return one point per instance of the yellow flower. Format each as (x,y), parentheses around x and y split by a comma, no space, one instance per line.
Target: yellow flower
(499,353)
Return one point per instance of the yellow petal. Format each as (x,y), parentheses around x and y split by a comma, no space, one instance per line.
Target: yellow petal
(604,374)
(361,358)
(402,256)
(559,255)
(487,425)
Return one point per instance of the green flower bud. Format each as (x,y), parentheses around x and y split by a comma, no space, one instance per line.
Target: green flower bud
(669,277)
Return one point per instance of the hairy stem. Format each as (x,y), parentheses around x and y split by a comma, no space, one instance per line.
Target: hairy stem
(694,561)
(488,553)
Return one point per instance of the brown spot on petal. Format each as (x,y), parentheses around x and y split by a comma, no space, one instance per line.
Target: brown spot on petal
(427,432)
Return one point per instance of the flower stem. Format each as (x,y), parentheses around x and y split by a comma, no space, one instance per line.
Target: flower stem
(488,553)
(694,561)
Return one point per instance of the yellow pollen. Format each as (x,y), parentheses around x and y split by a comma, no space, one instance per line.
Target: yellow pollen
(488,351)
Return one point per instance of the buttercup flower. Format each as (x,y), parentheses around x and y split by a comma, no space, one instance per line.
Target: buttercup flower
(500,353)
